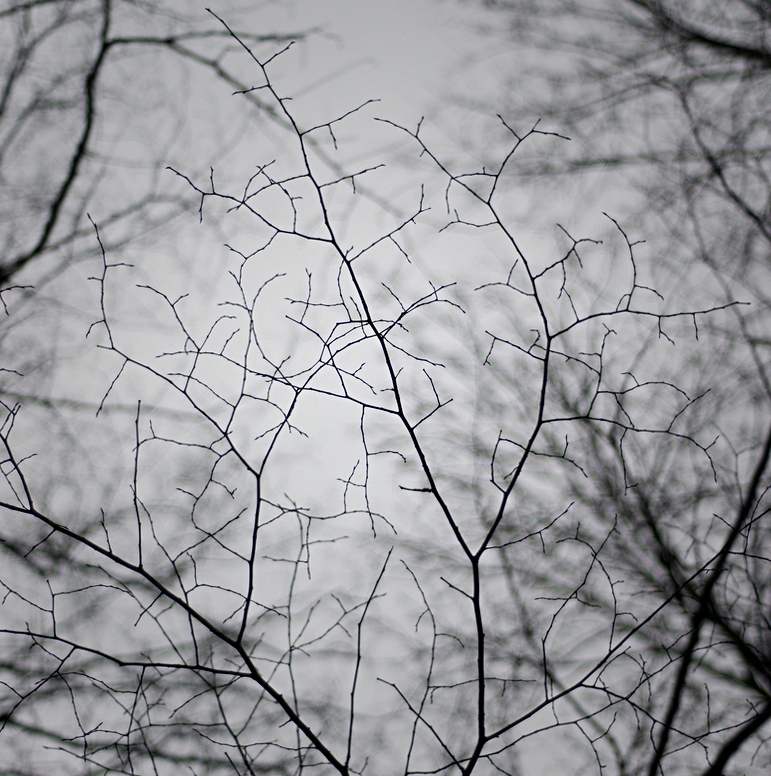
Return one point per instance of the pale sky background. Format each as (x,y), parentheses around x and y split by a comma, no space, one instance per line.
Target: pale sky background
(401,51)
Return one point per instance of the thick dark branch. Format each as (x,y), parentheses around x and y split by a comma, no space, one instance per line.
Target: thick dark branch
(705,603)
(9,269)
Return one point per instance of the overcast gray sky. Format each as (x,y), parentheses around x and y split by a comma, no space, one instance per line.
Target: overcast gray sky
(408,53)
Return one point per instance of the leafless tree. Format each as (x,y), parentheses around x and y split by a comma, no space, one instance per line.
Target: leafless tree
(75,115)
(670,101)
(336,532)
